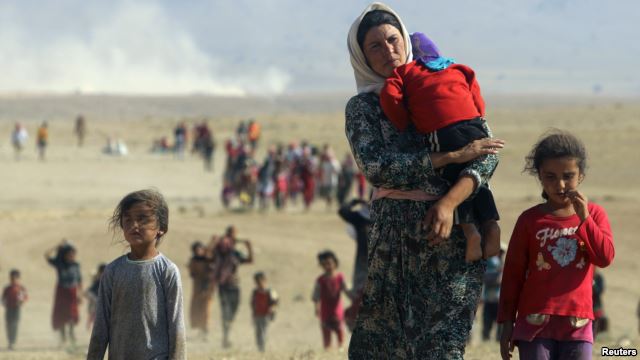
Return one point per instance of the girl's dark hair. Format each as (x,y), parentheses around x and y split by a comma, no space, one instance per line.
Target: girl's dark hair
(327,254)
(553,145)
(556,144)
(151,198)
(63,250)
(373,19)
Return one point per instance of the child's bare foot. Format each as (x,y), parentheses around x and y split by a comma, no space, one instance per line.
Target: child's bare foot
(491,234)
(474,249)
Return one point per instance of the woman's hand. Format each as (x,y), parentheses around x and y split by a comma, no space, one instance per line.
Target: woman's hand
(506,344)
(477,148)
(439,219)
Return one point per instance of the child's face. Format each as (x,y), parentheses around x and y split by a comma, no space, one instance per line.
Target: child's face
(200,251)
(559,177)
(328,264)
(14,279)
(140,225)
(70,256)
(261,283)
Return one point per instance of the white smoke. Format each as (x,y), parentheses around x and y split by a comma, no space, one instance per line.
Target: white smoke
(135,48)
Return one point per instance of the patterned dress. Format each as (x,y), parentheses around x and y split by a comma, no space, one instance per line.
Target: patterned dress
(419,300)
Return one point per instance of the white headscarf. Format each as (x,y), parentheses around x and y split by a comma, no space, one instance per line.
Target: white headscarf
(368,80)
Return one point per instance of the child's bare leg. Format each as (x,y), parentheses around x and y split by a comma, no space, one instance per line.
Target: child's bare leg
(72,335)
(63,336)
(491,234)
(474,249)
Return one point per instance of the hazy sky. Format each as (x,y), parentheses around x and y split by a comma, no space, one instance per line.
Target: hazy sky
(286,46)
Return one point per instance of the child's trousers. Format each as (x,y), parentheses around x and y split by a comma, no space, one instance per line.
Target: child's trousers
(229,301)
(261,323)
(12,318)
(547,349)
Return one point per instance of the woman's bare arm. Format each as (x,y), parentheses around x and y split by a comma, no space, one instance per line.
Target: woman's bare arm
(389,168)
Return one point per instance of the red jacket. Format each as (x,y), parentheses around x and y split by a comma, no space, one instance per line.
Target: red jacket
(550,261)
(13,296)
(328,290)
(431,99)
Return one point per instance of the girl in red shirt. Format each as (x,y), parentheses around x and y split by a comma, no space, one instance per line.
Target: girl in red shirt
(326,297)
(545,300)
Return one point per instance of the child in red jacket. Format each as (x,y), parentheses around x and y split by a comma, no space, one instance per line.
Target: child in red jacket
(13,296)
(263,305)
(545,299)
(442,99)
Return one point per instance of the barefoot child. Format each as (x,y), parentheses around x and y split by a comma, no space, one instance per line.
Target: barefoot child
(443,100)
(13,296)
(68,290)
(263,304)
(545,300)
(326,296)
(92,296)
(139,313)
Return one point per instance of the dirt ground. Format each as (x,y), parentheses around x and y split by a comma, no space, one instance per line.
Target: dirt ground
(72,194)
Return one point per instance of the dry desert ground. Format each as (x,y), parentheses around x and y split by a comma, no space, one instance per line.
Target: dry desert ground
(73,192)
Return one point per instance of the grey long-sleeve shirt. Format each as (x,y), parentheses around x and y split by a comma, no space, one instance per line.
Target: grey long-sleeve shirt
(139,312)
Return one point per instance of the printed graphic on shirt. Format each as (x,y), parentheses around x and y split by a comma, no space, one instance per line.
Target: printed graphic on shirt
(541,263)
(550,234)
(581,263)
(565,251)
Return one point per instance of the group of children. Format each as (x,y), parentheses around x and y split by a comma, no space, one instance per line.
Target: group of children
(67,299)
(215,267)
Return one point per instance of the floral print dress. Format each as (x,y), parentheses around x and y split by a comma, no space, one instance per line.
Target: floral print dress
(420,300)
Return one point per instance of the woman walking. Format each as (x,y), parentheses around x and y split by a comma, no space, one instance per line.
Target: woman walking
(420,297)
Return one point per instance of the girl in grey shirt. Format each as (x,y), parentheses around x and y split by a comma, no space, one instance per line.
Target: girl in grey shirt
(139,312)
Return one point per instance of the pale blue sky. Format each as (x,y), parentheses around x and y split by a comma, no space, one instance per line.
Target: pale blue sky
(286,46)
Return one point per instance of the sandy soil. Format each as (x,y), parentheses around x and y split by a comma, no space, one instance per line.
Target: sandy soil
(72,194)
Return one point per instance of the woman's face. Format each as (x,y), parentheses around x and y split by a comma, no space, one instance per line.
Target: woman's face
(383,47)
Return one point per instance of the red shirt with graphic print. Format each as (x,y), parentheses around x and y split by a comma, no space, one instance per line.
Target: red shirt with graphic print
(550,262)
